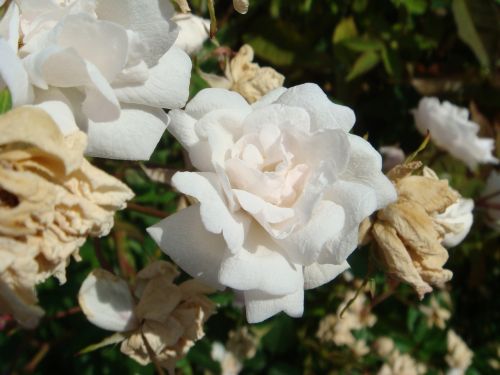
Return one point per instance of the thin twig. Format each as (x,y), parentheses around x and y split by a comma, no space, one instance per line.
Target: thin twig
(146,210)
(39,356)
(100,257)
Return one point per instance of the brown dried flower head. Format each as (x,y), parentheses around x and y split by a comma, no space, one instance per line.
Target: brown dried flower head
(161,320)
(51,199)
(246,77)
(409,233)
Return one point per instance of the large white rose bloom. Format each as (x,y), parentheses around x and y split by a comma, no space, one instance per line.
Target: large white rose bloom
(281,192)
(112,61)
(451,130)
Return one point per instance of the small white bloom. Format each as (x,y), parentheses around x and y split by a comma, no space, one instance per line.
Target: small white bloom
(451,130)
(193,32)
(241,6)
(282,189)
(112,62)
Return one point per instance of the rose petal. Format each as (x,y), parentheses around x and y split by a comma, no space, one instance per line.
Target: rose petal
(269,98)
(150,19)
(61,114)
(318,274)
(304,244)
(133,136)
(364,167)
(215,215)
(261,306)
(167,85)
(324,113)
(211,99)
(13,75)
(102,43)
(9,26)
(107,302)
(183,237)
(358,201)
(260,265)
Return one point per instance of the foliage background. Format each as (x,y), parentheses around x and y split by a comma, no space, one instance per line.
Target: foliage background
(378,57)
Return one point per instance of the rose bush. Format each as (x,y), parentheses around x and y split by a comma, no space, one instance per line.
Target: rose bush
(281,192)
(114,69)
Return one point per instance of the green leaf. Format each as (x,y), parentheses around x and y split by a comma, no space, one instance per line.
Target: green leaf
(5,101)
(281,335)
(270,51)
(467,31)
(110,340)
(411,318)
(345,29)
(415,6)
(358,44)
(359,5)
(363,64)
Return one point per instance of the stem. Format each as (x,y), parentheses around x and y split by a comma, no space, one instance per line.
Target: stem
(487,197)
(39,356)
(126,269)
(146,210)
(100,257)
(213,19)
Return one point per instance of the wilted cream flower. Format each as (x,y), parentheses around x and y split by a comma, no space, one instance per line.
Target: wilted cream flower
(166,320)
(410,232)
(459,356)
(242,343)
(435,313)
(241,6)
(245,77)
(338,330)
(230,364)
(384,346)
(396,363)
(51,199)
(402,364)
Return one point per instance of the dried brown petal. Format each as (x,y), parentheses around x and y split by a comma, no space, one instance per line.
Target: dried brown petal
(51,200)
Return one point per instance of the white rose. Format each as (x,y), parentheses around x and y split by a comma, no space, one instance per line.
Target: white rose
(193,32)
(451,130)
(282,189)
(113,62)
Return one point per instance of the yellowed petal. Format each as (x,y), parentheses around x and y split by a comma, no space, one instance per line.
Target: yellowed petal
(396,259)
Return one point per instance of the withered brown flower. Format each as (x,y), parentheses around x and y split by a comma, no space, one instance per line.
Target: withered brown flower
(409,233)
(51,199)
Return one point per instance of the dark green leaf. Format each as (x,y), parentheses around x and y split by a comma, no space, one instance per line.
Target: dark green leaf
(478,26)
(363,64)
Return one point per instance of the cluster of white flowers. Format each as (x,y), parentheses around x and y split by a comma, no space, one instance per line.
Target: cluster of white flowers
(280,190)
(113,63)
